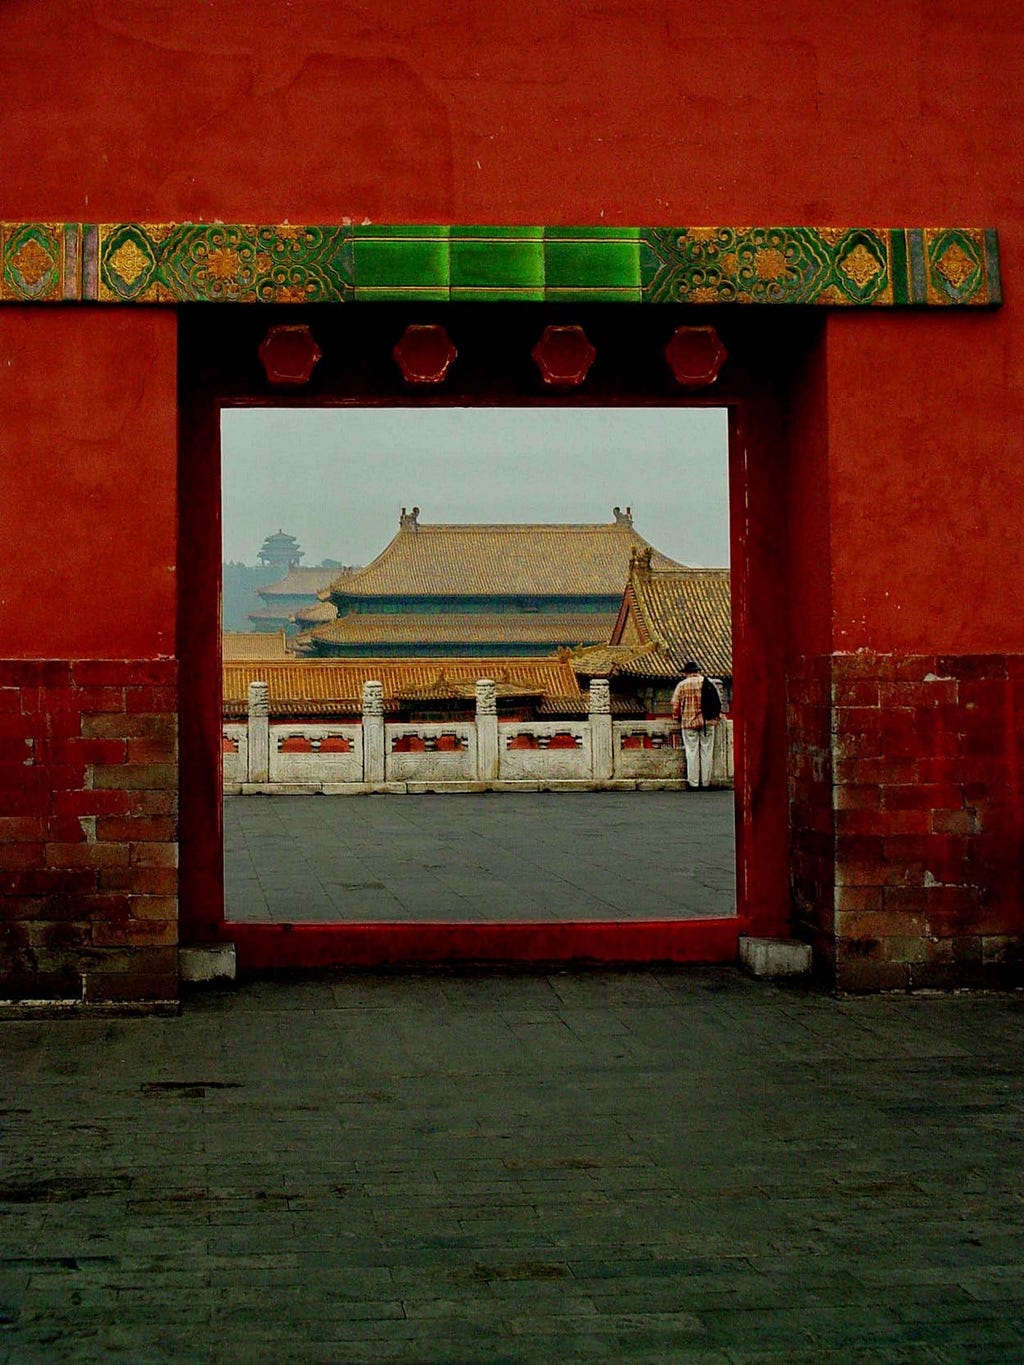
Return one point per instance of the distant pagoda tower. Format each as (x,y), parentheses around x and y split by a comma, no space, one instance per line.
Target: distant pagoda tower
(281,551)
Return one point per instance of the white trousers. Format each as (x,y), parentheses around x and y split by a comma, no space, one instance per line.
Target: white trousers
(700,750)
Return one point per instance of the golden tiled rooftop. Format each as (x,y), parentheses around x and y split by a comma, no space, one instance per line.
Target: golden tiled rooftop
(687,611)
(525,560)
(254,645)
(483,628)
(651,660)
(319,613)
(302,582)
(317,685)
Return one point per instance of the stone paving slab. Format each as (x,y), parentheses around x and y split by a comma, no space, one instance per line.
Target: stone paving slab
(649,1166)
(470,857)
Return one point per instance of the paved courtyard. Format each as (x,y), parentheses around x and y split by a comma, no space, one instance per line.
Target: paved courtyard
(474,857)
(651,1166)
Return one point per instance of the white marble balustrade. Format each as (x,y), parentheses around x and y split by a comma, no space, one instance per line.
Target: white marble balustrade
(482,753)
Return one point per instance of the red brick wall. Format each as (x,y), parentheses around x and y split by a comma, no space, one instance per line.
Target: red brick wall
(919,791)
(88,830)
(812,818)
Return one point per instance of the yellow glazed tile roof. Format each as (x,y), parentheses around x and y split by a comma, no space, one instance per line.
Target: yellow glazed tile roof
(303,582)
(688,611)
(642,661)
(580,706)
(554,628)
(317,614)
(320,683)
(254,645)
(529,560)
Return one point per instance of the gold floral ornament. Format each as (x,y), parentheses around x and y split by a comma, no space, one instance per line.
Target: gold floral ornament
(32,262)
(770,264)
(860,266)
(292,293)
(129,262)
(222,264)
(956,267)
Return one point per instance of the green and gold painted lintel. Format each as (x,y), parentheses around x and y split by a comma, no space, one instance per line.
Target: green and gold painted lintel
(248,263)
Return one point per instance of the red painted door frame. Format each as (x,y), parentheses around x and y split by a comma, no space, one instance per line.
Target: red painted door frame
(219,367)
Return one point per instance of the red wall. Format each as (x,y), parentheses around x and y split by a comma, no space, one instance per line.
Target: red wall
(88,516)
(469,112)
(250,110)
(902,458)
(924,421)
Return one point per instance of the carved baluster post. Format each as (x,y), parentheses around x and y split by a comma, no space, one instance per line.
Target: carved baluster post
(373,733)
(487,755)
(601,730)
(259,732)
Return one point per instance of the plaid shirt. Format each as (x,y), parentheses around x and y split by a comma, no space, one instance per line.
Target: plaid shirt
(686,702)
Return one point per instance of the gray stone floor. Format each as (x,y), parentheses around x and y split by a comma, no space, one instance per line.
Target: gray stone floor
(650,1166)
(497,856)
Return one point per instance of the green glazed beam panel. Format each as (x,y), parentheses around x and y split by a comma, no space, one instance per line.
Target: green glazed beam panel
(504,263)
(251,263)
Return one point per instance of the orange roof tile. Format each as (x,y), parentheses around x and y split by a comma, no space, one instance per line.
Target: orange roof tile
(320,682)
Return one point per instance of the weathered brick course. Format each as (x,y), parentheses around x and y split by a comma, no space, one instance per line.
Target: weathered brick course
(159,881)
(153,803)
(153,854)
(135,776)
(85,855)
(142,725)
(136,828)
(88,834)
(927,828)
(152,751)
(154,908)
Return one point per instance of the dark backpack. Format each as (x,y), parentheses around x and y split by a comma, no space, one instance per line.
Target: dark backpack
(710,700)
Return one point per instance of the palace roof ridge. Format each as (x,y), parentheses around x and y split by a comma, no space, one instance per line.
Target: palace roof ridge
(559,526)
(501,559)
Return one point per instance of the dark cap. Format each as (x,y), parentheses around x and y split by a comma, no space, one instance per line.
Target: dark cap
(691,667)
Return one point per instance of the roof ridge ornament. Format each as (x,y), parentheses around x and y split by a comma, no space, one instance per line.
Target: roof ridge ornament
(623,518)
(640,559)
(409,521)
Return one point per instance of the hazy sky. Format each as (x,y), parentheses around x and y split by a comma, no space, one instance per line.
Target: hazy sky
(337,479)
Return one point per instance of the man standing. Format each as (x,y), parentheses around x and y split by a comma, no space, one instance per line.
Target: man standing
(698,731)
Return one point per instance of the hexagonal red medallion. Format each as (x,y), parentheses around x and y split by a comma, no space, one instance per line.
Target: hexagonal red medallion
(289,354)
(695,355)
(564,356)
(425,353)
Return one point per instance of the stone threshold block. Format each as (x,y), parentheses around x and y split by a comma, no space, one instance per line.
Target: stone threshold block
(775,957)
(208,964)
